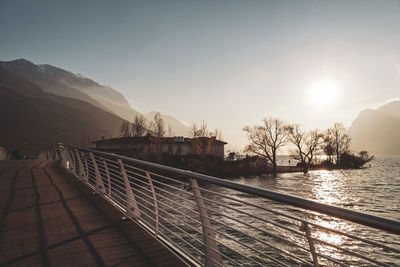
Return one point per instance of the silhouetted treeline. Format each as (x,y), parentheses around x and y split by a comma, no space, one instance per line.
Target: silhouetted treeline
(269,137)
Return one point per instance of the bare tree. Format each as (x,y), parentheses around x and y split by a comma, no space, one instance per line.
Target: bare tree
(125,129)
(158,126)
(194,131)
(158,129)
(267,139)
(202,139)
(217,134)
(307,143)
(328,145)
(340,140)
(170,131)
(139,126)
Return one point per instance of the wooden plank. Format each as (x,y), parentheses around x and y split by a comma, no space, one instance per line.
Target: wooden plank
(48,217)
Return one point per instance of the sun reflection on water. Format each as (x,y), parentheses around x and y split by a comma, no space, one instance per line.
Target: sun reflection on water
(330,189)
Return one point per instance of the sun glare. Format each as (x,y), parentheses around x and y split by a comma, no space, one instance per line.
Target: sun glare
(323,93)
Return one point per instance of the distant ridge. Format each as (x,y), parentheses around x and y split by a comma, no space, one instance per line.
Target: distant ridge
(377,131)
(42,104)
(32,119)
(55,80)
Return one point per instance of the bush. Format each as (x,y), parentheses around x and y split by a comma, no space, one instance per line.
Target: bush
(352,161)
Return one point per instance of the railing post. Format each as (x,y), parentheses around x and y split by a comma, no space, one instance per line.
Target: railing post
(56,155)
(99,181)
(155,200)
(132,209)
(73,167)
(62,157)
(304,227)
(108,178)
(213,256)
(86,166)
(82,174)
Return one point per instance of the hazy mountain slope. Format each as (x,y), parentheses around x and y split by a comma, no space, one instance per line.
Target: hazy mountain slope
(391,109)
(60,82)
(31,119)
(376,131)
(178,127)
(46,81)
(107,96)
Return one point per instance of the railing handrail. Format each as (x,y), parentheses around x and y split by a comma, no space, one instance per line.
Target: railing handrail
(373,221)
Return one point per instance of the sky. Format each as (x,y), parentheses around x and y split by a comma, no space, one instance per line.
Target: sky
(229,63)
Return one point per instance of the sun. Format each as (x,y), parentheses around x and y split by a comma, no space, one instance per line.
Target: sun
(323,93)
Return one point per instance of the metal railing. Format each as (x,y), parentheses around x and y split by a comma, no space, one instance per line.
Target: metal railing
(216,222)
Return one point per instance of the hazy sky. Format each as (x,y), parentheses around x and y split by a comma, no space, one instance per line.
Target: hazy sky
(228,62)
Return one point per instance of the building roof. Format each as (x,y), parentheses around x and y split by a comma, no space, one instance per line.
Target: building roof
(150,139)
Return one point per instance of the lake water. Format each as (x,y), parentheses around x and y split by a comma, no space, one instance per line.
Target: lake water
(374,190)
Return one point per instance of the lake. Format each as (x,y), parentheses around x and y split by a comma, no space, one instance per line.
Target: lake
(374,190)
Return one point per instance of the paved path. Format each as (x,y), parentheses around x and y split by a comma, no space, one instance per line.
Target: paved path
(48,218)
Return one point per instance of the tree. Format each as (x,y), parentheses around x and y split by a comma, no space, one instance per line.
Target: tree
(139,126)
(307,143)
(159,131)
(170,131)
(125,129)
(202,139)
(217,134)
(267,139)
(233,155)
(340,140)
(328,145)
(158,126)
(201,131)
(350,160)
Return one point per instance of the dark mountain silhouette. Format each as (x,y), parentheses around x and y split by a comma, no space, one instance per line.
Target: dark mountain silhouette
(377,131)
(60,82)
(32,119)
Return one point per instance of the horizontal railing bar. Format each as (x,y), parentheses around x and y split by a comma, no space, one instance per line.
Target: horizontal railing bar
(226,256)
(258,229)
(177,227)
(259,240)
(152,204)
(304,221)
(158,175)
(342,213)
(236,241)
(162,203)
(251,215)
(158,182)
(160,189)
(350,252)
(171,223)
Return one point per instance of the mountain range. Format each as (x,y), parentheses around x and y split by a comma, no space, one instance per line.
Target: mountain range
(377,131)
(41,105)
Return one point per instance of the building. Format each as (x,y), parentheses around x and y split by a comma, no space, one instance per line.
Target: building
(140,146)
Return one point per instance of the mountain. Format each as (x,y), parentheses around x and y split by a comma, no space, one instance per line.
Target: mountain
(178,128)
(377,131)
(45,80)
(64,83)
(32,119)
(391,109)
(108,97)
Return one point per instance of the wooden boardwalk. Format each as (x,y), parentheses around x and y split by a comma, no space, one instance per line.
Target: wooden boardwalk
(48,218)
